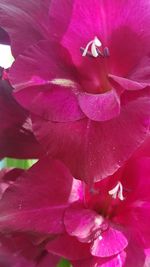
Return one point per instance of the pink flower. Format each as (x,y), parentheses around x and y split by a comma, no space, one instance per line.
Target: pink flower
(112,219)
(87,82)
(105,225)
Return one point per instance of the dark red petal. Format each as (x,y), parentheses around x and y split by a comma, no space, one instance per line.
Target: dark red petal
(24,22)
(68,247)
(47,62)
(48,260)
(16,135)
(47,86)
(51,102)
(128,84)
(4,38)
(135,255)
(95,150)
(32,202)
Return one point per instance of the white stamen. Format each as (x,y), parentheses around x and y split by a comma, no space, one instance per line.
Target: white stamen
(94,44)
(117,191)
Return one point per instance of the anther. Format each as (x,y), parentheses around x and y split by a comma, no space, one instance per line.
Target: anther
(106,52)
(99,52)
(117,191)
(93,191)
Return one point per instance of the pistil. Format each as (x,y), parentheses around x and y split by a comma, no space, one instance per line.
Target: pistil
(94,44)
(92,49)
(117,191)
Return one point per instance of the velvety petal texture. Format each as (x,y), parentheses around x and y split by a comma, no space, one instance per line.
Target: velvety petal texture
(50,91)
(18,246)
(76,98)
(47,61)
(100,107)
(7,177)
(97,224)
(22,21)
(16,134)
(49,260)
(94,150)
(31,203)
(110,243)
(73,250)
(116,261)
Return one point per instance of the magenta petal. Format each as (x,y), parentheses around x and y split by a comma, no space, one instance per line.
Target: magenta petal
(59,16)
(139,170)
(32,204)
(49,260)
(116,261)
(128,84)
(19,243)
(17,250)
(100,107)
(84,263)
(55,104)
(82,223)
(48,63)
(7,177)
(94,150)
(140,216)
(8,259)
(48,91)
(68,247)
(135,255)
(141,72)
(110,243)
(22,21)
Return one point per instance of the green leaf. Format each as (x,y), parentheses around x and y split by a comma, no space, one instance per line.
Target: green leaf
(17,163)
(63,263)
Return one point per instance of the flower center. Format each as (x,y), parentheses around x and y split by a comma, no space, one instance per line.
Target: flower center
(117,191)
(92,49)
